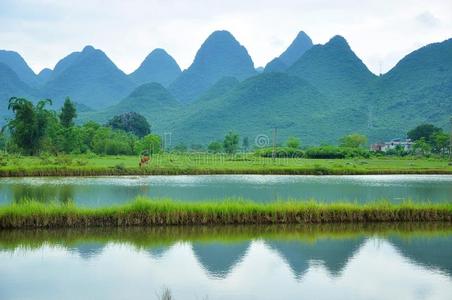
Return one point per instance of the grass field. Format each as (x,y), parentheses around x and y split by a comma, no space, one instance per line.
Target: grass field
(177,164)
(145,212)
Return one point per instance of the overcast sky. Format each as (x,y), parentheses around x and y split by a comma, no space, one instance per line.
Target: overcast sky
(380,32)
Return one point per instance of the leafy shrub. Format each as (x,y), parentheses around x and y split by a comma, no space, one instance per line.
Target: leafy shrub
(81,162)
(280,152)
(333,152)
(45,158)
(120,167)
(63,160)
(3,160)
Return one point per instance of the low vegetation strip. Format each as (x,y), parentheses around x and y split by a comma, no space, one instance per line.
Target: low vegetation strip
(146,212)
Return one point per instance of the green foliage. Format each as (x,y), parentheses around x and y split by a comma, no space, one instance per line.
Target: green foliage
(425,131)
(293,142)
(440,142)
(131,122)
(422,147)
(231,143)
(354,140)
(429,138)
(332,152)
(215,147)
(30,124)
(68,113)
(280,152)
(151,143)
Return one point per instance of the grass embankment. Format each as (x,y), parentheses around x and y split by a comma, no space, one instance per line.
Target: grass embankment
(145,212)
(196,164)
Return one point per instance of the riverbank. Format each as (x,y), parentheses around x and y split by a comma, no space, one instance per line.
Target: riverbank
(145,212)
(206,164)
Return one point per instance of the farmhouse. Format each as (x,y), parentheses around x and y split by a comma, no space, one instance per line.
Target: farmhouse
(406,145)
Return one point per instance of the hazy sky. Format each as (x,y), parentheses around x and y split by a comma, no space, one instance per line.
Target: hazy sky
(380,32)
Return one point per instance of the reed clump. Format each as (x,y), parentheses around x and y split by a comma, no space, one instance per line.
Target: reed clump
(147,212)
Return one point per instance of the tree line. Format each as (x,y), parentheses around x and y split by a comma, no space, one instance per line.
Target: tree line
(35,129)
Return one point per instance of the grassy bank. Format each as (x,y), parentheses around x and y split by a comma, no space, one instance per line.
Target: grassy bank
(178,164)
(145,212)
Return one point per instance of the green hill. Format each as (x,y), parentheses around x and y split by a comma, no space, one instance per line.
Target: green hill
(297,48)
(334,69)
(326,94)
(44,76)
(219,56)
(151,100)
(417,90)
(158,67)
(88,77)
(255,107)
(19,66)
(11,85)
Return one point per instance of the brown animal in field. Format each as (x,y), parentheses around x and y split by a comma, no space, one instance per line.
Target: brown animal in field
(144,161)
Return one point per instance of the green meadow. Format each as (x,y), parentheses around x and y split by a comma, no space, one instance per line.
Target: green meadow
(203,163)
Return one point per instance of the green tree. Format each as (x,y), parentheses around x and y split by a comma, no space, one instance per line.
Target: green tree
(131,122)
(421,147)
(151,143)
(440,142)
(30,123)
(293,142)
(68,113)
(215,147)
(353,140)
(425,131)
(231,142)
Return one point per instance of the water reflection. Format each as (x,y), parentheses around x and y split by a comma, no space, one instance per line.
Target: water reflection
(384,261)
(98,191)
(217,258)
(42,193)
(331,253)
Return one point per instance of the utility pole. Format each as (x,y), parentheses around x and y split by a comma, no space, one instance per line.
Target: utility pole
(274,143)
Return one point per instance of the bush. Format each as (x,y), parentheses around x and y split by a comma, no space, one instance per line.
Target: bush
(286,152)
(63,160)
(332,152)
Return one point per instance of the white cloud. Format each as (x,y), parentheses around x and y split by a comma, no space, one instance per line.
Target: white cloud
(380,32)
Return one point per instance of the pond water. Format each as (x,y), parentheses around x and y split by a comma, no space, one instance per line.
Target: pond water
(98,191)
(310,262)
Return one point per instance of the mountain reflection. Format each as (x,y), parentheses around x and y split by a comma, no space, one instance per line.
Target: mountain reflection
(219,250)
(218,259)
(437,255)
(333,254)
(88,250)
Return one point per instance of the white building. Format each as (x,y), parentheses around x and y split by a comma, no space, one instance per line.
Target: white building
(407,145)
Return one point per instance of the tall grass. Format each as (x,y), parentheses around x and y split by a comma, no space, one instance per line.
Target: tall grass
(146,212)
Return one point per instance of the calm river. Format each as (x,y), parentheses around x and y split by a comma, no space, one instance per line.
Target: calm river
(99,191)
(310,262)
